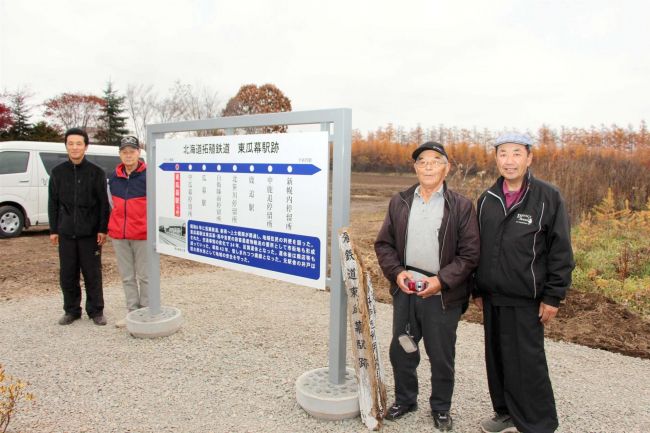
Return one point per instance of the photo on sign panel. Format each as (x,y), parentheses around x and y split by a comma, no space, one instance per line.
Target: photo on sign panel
(173,231)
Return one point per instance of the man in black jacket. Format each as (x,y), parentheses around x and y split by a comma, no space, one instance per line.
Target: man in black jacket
(429,235)
(78,212)
(523,274)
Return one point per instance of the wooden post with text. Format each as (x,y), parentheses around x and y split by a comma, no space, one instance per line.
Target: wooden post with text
(362,320)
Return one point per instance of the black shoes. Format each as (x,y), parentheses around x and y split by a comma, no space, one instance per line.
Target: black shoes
(442,421)
(68,319)
(399,410)
(99,320)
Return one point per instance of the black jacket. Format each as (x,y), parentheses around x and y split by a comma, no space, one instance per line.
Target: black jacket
(457,239)
(526,253)
(78,200)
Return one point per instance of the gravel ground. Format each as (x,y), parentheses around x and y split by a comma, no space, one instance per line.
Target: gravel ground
(233,365)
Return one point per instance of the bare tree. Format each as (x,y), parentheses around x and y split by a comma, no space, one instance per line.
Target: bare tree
(141,105)
(182,102)
(201,103)
(171,108)
(185,102)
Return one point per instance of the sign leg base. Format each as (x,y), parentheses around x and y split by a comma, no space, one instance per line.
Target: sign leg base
(324,400)
(140,323)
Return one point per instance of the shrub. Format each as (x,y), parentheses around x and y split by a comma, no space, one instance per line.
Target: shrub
(612,253)
(13,391)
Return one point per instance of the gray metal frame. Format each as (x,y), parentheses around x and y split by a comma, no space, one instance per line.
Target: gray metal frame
(341,136)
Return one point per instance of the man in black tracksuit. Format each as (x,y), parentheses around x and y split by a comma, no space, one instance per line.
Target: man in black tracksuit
(78,212)
(524,272)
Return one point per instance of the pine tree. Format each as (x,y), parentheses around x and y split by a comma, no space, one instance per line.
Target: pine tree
(606,210)
(42,131)
(111,122)
(21,128)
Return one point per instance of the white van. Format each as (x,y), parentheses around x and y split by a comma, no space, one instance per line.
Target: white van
(25,168)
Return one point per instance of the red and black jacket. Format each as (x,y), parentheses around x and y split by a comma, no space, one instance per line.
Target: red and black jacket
(129,192)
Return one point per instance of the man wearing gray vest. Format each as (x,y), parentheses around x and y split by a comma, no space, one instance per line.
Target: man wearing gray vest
(427,248)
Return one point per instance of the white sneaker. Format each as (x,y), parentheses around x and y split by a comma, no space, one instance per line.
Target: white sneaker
(121,323)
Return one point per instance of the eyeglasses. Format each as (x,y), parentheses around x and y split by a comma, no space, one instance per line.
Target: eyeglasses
(130,140)
(433,163)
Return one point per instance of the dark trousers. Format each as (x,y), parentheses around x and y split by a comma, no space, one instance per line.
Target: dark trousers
(516,367)
(437,326)
(76,257)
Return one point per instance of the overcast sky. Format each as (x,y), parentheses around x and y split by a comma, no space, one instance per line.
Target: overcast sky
(490,64)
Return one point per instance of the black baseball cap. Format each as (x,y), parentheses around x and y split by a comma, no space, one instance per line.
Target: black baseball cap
(429,145)
(129,141)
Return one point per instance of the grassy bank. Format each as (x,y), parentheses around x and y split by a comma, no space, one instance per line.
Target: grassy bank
(612,252)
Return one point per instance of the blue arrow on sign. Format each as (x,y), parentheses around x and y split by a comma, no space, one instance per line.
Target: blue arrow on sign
(243,168)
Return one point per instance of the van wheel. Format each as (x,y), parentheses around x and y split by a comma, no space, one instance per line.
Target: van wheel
(11,222)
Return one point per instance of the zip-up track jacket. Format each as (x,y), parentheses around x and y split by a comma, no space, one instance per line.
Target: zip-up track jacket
(77,200)
(457,239)
(129,216)
(526,253)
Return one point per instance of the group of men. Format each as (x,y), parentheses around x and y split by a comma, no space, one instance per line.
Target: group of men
(83,212)
(513,256)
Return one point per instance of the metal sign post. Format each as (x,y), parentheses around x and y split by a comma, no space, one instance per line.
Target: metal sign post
(337,122)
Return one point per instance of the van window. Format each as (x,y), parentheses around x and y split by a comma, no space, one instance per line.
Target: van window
(51,160)
(13,162)
(106,162)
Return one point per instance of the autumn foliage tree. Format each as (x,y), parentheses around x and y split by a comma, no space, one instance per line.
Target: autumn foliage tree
(6,121)
(74,110)
(257,100)
(584,164)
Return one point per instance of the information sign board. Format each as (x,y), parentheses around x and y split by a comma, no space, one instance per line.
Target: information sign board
(254,203)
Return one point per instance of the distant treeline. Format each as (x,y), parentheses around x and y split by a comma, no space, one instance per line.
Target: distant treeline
(582,163)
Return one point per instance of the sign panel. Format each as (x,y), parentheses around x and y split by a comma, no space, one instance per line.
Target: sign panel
(253,203)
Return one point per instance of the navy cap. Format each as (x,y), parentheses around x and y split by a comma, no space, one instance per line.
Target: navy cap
(513,137)
(429,145)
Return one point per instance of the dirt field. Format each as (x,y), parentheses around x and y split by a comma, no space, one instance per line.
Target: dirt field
(31,268)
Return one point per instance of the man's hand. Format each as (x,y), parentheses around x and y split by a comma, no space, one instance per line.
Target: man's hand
(54,239)
(546,313)
(433,288)
(401,281)
(101,239)
(479,303)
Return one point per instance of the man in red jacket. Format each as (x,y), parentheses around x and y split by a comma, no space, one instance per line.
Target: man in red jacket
(128,224)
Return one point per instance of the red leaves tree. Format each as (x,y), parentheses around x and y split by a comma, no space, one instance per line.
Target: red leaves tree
(74,110)
(257,100)
(6,120)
